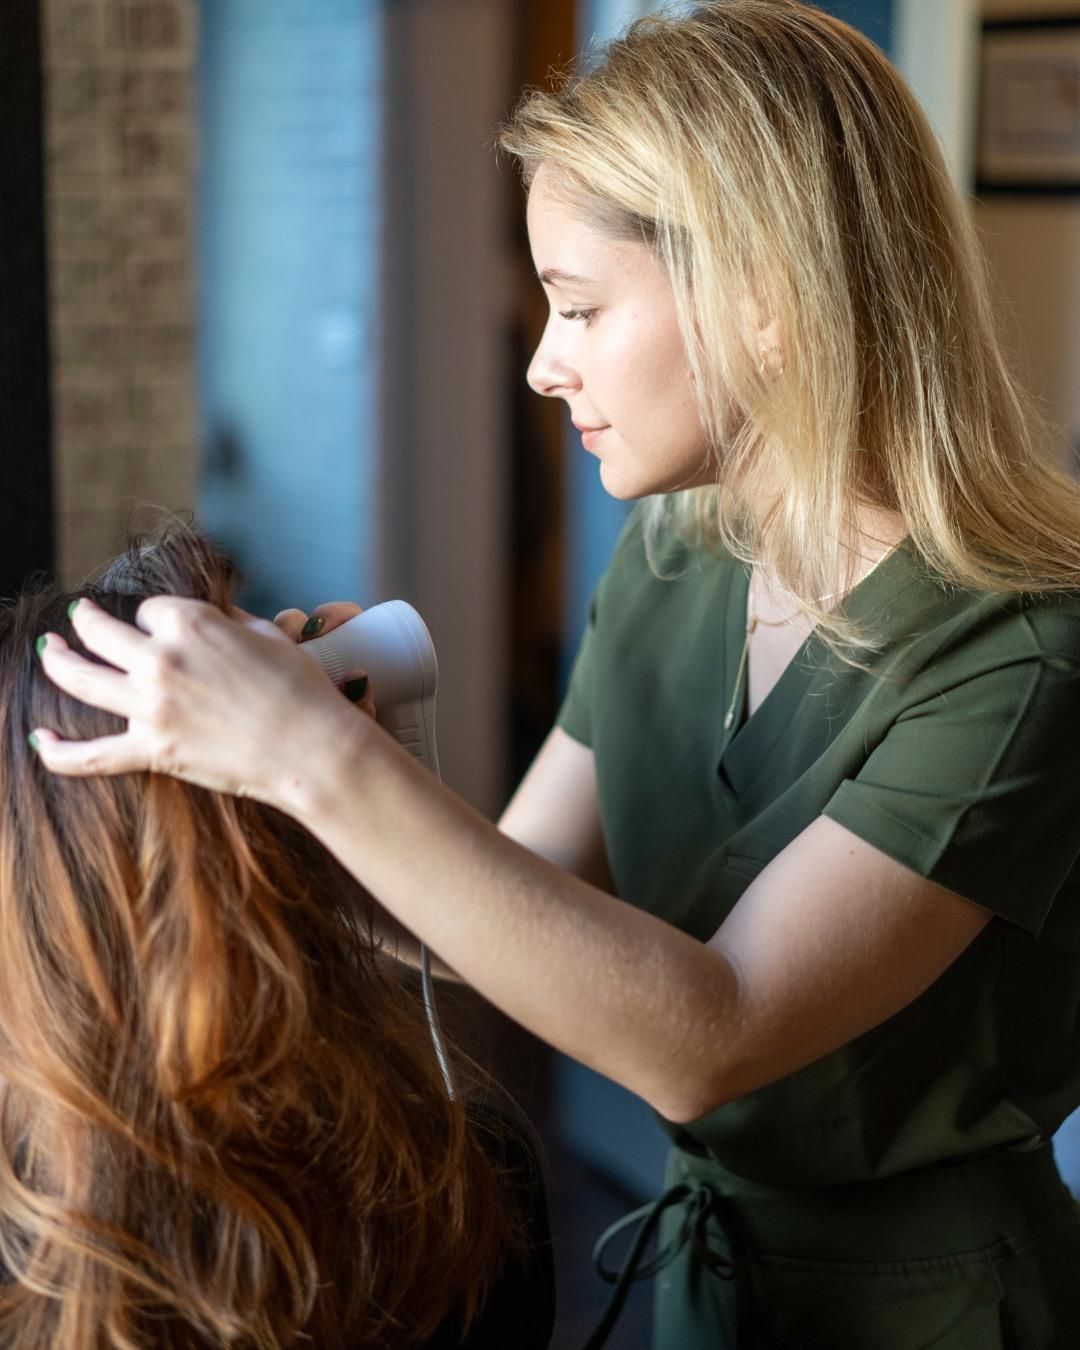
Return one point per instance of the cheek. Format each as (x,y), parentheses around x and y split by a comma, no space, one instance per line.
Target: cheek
(640,367)
(659,388)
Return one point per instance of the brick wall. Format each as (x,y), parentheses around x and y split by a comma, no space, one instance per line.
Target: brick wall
(120,148)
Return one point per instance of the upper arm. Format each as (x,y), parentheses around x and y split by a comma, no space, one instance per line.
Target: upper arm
(830,939)
(555,811)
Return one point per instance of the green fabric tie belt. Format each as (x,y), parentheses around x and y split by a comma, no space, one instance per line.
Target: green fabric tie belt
(697,1200)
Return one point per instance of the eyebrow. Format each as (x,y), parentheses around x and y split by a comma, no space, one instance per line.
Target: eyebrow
(554,275)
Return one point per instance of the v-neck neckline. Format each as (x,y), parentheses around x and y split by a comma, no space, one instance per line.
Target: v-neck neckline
(795,671)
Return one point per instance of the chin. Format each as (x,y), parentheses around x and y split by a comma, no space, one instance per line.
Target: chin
(627,479)
(622,486)
(626,485)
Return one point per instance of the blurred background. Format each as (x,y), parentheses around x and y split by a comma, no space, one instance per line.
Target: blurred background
(257,260)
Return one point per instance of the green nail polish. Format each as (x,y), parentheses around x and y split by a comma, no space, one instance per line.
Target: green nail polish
(356,689)
(39,645)
(314,625)
(71,609)
(33,742)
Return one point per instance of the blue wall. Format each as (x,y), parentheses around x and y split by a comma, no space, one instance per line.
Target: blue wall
(873,17)
(289,224)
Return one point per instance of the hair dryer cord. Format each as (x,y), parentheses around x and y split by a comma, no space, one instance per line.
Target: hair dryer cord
(433,1021)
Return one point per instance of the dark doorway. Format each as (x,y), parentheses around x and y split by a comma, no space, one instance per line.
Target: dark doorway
(26,529)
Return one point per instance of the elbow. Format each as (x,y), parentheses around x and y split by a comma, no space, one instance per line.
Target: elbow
(711,1065)
(684,1107)
(700,1095)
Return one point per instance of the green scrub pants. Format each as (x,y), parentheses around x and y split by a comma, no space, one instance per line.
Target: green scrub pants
(980,1254)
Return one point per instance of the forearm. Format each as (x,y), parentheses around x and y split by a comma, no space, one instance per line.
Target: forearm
(399,944)
(613,987)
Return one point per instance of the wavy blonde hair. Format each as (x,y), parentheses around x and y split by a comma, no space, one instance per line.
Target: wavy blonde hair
(222,1122)
(774,160)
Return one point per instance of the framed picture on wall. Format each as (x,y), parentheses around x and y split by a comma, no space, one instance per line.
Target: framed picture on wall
(1029,106)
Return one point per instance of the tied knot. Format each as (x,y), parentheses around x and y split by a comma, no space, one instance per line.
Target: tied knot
(697,1202)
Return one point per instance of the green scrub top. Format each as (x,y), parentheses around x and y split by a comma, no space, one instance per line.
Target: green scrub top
(959,756)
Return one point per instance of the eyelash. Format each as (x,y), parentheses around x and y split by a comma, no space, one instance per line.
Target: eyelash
(585,314)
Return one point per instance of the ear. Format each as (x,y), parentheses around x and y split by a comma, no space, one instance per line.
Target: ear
(771,347)
(766,335)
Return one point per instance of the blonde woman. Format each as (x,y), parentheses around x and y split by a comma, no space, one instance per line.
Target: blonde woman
(798,864)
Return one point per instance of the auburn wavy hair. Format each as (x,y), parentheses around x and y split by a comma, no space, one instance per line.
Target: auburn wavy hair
(222,1122)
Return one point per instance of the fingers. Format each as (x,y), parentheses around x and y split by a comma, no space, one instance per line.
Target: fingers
(119,643)
(265,628)
(174,618)
(333,614)
(358,690)
(323,619)
(291,622)
(81,759)
(105,688)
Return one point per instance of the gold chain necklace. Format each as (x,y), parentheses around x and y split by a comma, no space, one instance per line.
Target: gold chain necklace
(752,622)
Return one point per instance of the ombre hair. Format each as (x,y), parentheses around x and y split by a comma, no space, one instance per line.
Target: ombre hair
(781,171)
(222,1122)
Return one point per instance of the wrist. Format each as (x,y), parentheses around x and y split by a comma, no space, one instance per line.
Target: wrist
(314,786)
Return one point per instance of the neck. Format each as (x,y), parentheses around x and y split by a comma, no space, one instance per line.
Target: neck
(878,532)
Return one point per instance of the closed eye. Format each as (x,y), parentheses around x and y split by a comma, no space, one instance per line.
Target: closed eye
(585,314)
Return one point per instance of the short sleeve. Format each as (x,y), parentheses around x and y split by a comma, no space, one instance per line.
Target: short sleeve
(977,787)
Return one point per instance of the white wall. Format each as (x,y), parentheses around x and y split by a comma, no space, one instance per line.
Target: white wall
(935,46)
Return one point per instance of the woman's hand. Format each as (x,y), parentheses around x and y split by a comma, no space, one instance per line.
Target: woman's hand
(222,701)
(301,627)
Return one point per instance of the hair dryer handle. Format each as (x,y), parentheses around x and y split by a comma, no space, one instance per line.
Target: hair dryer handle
(391,642)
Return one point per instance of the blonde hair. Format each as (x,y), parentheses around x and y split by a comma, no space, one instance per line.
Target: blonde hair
(774,161)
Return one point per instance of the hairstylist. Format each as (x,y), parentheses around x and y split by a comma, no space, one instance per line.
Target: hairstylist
(798,864)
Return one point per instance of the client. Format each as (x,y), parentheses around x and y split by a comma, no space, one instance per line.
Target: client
(222,1122)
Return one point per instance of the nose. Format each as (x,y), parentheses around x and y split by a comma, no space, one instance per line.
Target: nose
(549,372)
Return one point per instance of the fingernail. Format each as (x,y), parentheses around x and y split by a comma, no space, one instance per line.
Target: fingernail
(314,625)
(33,742)
(39,645)
(356,689)
(71,609)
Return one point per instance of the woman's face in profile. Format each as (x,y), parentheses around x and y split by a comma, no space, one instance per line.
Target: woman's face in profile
(612,349)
